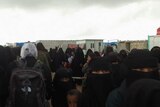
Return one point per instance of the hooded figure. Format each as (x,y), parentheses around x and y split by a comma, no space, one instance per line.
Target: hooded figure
(143,93)
(29,58)
(44,56)
(141,65)
(77,64)
(98,84)
(29,53)
(86,67)
(108,50)
(123,54)
(59,58)
(62,83)
(89,51)
(156,53)
(2,77)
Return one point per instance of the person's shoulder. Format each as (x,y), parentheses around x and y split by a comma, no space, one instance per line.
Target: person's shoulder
(114,98)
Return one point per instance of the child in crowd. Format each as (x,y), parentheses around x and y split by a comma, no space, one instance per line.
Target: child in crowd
(73,97)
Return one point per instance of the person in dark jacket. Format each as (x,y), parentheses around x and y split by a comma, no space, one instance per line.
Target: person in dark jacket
(77,64)
(3,65)
(62,83)
(29,56)
(141,65)
(44,56)
(98,84)
(143,93)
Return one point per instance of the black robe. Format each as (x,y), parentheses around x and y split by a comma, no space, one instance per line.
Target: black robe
(97,90)
(143,93)
(60,89)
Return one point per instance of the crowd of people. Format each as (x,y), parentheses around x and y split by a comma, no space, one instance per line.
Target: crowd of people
(31,76)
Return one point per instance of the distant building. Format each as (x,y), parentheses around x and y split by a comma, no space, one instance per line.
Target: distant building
(129,45)
(11,44)
(93,44)
(17,44)
(58,43)
(153,41)
(113,43)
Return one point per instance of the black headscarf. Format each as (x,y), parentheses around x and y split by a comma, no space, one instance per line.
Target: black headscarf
(138,59)
(118,69)
(40,46)
(108,50)
(156,52)
(61,88)
(97,85)
(144,93)
(3,87)
(89,51)
(123,54)
(77,63)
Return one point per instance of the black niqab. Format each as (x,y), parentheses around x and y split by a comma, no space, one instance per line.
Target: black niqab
(97,90)
(136,75)
(61,88)
(98,86)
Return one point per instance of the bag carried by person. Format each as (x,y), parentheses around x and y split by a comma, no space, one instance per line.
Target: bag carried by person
(27,87)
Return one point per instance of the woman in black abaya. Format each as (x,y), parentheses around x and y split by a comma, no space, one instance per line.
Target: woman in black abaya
(98,84)
(144,93)
(62,83)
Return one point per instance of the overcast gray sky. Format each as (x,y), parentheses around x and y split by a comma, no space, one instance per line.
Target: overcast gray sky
(31,20)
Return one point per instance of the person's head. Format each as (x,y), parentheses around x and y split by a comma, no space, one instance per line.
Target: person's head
(141,64)
(28,50)
(40,46)
(3,59)
(68,51)
(89,51)
(97,54)
(91,56)
(65,63)
(61,74)
(63,80)
(73,97)
(108,50)
(99,80)
(143,93)
(100,66)
(156,52)
(60,51)
(79,53)
(114,58)
(140,59)
(123,54)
